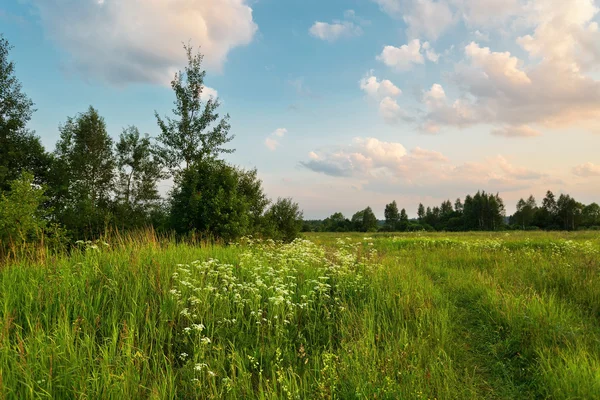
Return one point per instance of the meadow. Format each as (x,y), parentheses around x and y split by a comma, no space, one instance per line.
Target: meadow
(512,315)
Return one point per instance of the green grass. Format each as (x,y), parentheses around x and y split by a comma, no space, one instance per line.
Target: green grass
(349,316)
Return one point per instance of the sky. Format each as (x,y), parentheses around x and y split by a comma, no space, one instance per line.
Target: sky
(341,104)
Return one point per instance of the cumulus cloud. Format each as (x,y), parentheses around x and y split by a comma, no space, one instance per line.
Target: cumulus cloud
(587,170)
(377,89)
(132,41)
(502,68)
(384,91)
(406,56)
(273,141)
(440,111)
(379,164)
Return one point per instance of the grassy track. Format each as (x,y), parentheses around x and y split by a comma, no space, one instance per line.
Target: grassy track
(431,316)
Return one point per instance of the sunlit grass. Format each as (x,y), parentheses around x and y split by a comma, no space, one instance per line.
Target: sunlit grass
(446,316)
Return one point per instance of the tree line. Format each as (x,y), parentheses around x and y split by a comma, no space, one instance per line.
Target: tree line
(90,184)
(479,212)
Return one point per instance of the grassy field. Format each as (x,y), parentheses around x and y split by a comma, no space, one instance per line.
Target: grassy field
(414,316)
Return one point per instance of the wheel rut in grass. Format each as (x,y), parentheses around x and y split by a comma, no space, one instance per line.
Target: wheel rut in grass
(484,347)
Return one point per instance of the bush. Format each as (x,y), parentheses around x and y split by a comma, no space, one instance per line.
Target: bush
(21,217)
(283,220)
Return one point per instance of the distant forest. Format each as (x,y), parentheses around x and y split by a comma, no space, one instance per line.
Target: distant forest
(480,212)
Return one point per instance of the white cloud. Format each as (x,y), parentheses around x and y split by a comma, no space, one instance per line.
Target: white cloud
(430,53)
(406,56)
(131,41)
(516,131)
(208,93)
(381,165)
(271,144)
(500,67)
(334,31)
(280,132)
(587,170)
(565,32)
(384,92)
(273,141)
(378,89)
(488,13)
(391,112)
(440,111)
(427,18)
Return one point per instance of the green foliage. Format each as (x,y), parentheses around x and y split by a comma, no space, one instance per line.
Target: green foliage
(191,137)
(336,223)
(138,173)
(20,149)
(83,174)
(284,220)
(217,199)
(392,216)
(364,221)
(22,219)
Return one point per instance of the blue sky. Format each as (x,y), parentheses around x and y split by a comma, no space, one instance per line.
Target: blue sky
(342,104)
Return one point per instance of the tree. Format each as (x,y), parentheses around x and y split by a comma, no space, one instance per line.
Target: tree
(20,149)
(569,211)
(217,199)
(364,221)
(403,220)
(392,216)
(336,223)
(591,215)
(421,212)
(138,173)
(547,215)
(446,208)
(458,206)
(285,218)
(192,135)
(82,178)
(22,218)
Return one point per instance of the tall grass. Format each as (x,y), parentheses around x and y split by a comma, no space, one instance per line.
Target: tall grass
(434,316)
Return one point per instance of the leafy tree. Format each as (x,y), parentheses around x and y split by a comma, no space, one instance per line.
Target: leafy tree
(392,216)
(569,211)
(192,135)
(82,178)
(22,218)
(525,213)
(217,199)
(336,223)
(483,211)
(458,206)
(138,173)
(591,215)
(421,212)
(403,224)
(547,215)
(364,221)
(285,219)
(446,208)
(20,149)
